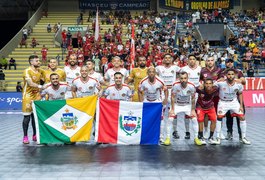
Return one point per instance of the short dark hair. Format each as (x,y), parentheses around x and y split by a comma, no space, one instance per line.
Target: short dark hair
(183,72)
(33,56)
(118,73)
(230,69)
(53,74)
(89,60)
(191,55)
(208,79)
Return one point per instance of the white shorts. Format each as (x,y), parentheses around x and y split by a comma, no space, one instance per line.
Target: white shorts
(232,106)
(186,109)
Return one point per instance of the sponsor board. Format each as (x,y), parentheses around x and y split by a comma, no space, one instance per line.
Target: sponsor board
(10,100)
(255,98)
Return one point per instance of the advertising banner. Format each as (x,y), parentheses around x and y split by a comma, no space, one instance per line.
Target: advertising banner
(195,4)
(10,100)
(254,83)
(115,4)
(255,98)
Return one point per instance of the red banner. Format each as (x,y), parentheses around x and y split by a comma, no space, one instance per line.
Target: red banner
(254,83)
(254,98)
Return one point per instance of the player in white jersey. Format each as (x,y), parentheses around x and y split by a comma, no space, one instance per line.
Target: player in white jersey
(118,91)
(229,91)
(55,90)
(84,85)
(183,101)
(168,73)
(91,72)
(109,75)
(150,90)
(72,71)
(194,72)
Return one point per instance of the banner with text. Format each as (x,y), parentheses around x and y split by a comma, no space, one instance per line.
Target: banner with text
(255,83)
(195,4)
(115,4)
(255,98)
(10,100)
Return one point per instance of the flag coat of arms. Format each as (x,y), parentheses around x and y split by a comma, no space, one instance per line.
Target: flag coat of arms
(122,122)
(64,121)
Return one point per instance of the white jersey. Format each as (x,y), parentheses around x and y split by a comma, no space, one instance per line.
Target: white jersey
(97,76)
(85,88)
(193,74)
(123,94)
(71,74)
(109,75)
(168,74)
(152,91)
(228,92)
(55,94)
(183,95)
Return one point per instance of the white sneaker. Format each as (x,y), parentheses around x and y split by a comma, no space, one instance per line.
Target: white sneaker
(203,141)
(245,141)
(218,141)
(212,141)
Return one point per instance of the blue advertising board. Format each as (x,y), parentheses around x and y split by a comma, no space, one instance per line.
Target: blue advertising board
(10,100)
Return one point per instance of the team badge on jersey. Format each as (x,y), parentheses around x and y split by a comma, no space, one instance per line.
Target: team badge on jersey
(90,87)
(68,120)
(77,74)
(188,92)
(236,90)
(172,72)
(205,75)
(62,93)
(130,124)
(123,95)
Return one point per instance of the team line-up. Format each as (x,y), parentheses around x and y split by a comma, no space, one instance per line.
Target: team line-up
(201,94)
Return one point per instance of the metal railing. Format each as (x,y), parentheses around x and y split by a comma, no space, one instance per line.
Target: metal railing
(13,43)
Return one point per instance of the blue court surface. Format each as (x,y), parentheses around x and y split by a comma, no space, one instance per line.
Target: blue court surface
(181,160)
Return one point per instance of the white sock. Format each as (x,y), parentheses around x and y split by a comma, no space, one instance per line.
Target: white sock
(218,128)
(187,124)
(175,123)
(195,126)
(162,129)
(169,124)
(243,126)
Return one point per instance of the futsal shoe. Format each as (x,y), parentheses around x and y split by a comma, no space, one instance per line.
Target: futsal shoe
(212,141)
(203,141)
(175,135)
(167,142)
(222,136)
(229,136)
(245,141)
(34,138)
(218,141)
(25,140)
(187,136)
(197,141)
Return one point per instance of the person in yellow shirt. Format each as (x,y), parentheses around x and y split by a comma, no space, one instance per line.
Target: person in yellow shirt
(251,44)
(136,75)
(32,77)
(53,68)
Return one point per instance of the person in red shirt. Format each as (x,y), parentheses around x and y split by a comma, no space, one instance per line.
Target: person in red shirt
(34,43)
(44,52)
(63,36)
(263,56)
(205,106)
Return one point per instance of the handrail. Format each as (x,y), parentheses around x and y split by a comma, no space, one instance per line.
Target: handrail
(13,43)
(57,37)
(198,33)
